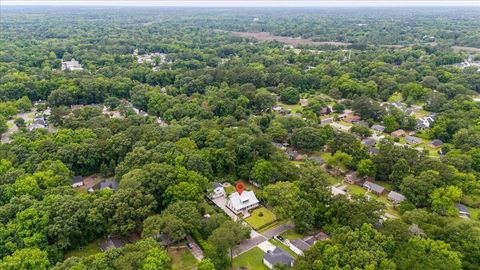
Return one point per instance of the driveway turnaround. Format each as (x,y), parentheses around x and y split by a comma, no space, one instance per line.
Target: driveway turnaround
(195,248)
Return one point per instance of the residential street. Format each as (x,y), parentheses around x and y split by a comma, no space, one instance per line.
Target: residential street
(277,230)
(249,244)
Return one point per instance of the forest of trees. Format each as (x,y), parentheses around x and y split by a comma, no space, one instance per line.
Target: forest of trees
(216,96)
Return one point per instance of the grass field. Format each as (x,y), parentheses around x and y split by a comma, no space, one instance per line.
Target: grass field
(291,235)
(229,190)
(474,213)
(354,189)
(260,217)
(90,249)
(252,260)
(182,258)
(295,108)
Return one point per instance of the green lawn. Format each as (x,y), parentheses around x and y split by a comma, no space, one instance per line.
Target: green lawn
(252,260)
(295,108)
(474,213)
(334,180)
(90,249)
(269,227)
(291,235)
(229,190)
(260,217)
(354,189)
(182,258)
(386,185)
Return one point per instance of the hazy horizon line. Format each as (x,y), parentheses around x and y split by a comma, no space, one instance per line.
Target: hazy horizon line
(248,3)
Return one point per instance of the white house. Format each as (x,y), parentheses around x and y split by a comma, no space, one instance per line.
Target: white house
(77,181)
(218,191)
(71,65)
(241,203)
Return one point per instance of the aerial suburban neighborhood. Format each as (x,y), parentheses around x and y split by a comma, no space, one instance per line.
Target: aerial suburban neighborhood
(239,135)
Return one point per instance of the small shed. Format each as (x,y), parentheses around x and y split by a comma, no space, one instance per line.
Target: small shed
(435,143)
(352,178)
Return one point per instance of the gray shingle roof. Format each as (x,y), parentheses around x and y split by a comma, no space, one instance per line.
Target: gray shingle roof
(107,184)
(300,244)
(413,139)
(279,256)
(373,187)
(77,179)
(395,196)
(461,207)
(436,142)
(378,128)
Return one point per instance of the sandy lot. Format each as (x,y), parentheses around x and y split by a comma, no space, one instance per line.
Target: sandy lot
(266,36)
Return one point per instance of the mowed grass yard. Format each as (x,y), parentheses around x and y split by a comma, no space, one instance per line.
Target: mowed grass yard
(252,260)
(90,249)
(291,235)
(182,258)
(260,217)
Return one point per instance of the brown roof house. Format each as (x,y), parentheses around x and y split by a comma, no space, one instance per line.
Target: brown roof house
(352,118)
(398,133)
(352,178)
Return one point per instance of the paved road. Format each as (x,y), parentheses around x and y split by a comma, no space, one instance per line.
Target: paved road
(248,244)
(278,230)
(196,250)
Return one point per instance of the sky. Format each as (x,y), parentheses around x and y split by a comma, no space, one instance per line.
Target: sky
(245,3)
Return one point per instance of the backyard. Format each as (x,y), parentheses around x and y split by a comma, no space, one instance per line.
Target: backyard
(252,260)
(291,235)
(260,218)
(85,251)
(182,258)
